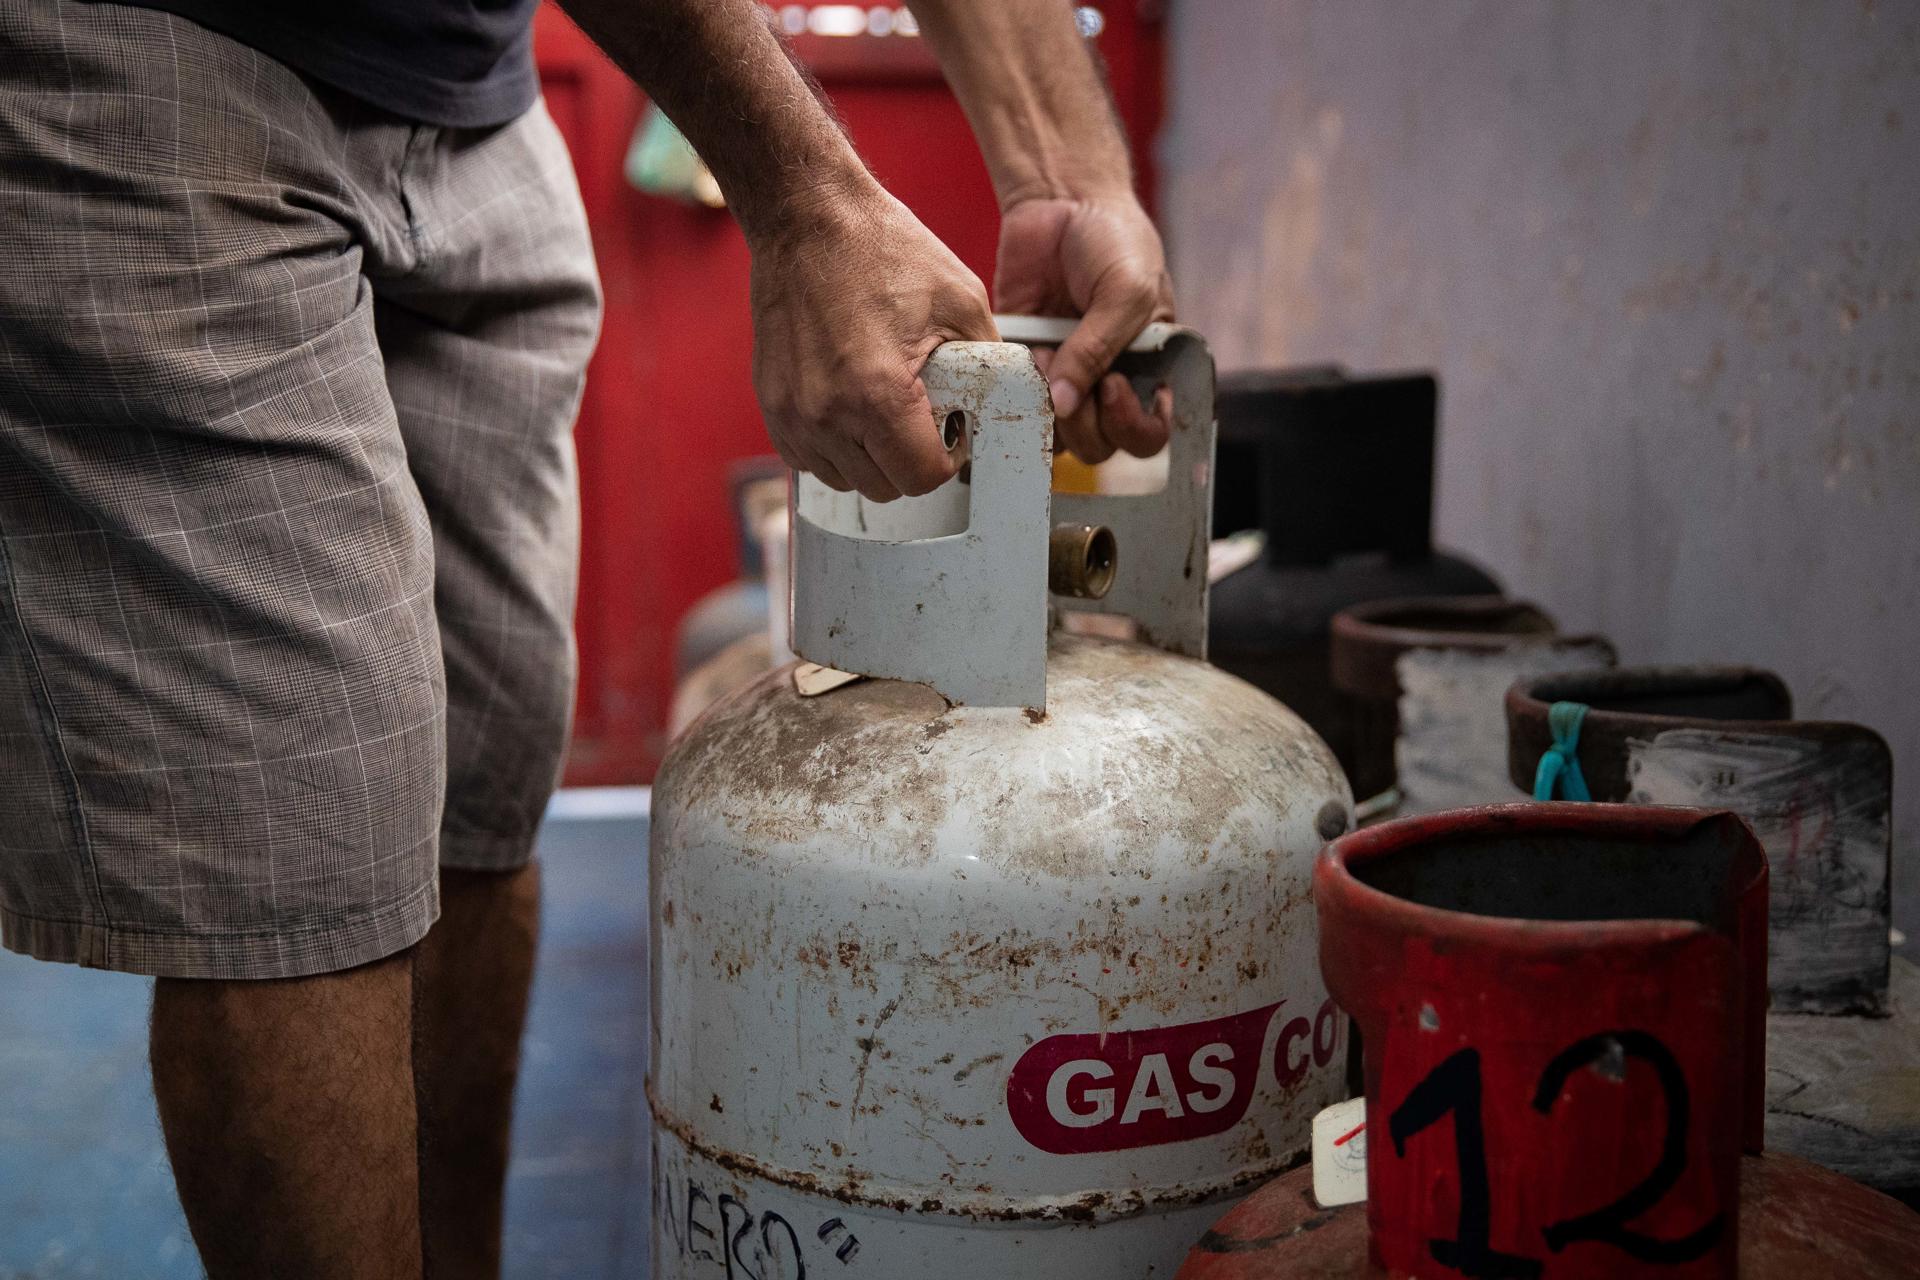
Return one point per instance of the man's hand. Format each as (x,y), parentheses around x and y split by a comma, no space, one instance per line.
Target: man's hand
(1074,240)
(1099,259)
(849,299)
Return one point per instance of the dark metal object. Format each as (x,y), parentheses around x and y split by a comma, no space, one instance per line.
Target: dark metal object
(1338,472)
(1369,639)
(1341,464)
(1252,407)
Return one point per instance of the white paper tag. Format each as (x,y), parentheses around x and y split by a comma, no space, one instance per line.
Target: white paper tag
(1340,1154)
(1234,552)
(810,679)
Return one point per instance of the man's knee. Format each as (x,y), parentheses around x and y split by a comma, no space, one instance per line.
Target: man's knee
(211,1033)
(491,901)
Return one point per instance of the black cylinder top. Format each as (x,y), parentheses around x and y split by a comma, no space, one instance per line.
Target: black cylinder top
(1327,464)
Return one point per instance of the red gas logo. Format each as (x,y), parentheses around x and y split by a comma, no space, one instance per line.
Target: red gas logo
(1075,1094)
(1299,1041)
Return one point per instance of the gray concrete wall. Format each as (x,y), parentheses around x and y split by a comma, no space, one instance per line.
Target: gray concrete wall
(1665,258)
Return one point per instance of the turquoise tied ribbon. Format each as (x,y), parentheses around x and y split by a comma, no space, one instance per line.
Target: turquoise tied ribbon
(1561,762)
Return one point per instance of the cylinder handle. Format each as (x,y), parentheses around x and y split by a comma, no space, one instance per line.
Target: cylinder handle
(951,588)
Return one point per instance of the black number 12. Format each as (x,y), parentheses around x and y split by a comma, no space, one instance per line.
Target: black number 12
(1455,1086)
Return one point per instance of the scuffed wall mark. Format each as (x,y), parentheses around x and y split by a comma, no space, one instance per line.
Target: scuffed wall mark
(1747,296)
(1292,231)
(1826,698)
(1221,280)
(1701,378)
(1820,807)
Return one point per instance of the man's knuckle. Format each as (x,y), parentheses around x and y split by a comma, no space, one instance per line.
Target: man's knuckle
(817,410)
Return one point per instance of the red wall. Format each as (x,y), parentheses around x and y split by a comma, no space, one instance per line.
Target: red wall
(669,400)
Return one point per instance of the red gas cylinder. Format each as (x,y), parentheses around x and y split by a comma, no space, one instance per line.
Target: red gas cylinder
(1560,1009)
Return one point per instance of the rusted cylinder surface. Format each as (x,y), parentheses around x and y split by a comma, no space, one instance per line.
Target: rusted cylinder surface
(1476,644)
(1081,559)
(1561,1013)
(1801,1221)
(1798,1221)
(1818,794)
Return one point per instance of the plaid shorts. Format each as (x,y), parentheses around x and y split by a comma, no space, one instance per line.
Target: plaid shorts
(288,514)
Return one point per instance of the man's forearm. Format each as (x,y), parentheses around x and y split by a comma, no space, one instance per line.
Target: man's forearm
(1033,93)
(721,74)
(850,291)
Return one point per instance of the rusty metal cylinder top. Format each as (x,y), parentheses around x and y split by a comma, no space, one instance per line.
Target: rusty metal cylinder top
(1369,638)
(1629,703)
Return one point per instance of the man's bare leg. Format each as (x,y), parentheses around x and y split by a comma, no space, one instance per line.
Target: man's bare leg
(288,1109)
(472,974)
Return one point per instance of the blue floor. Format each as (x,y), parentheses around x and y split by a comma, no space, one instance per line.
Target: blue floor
(84,1189)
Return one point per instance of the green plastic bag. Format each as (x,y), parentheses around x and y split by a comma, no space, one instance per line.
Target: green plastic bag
(662,162)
